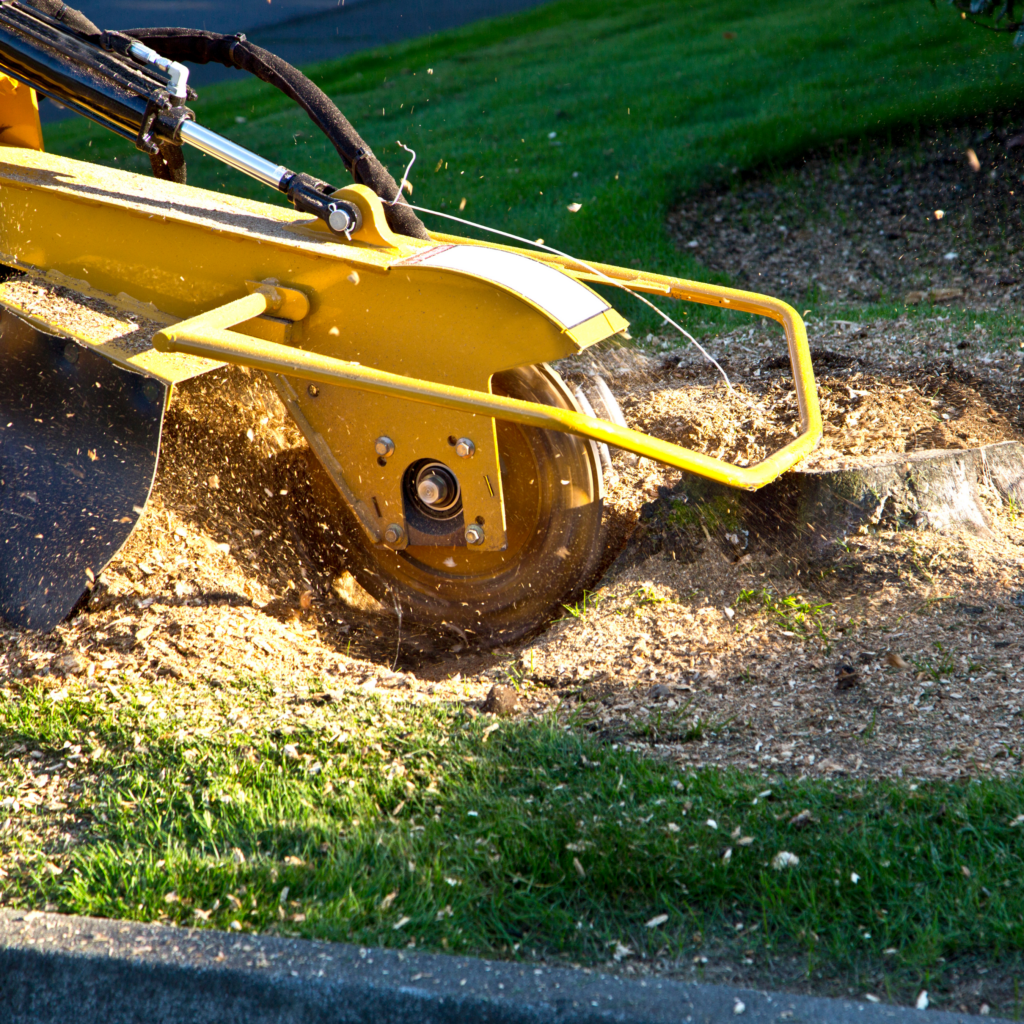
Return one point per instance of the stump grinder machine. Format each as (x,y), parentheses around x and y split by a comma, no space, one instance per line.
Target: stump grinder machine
(455,467)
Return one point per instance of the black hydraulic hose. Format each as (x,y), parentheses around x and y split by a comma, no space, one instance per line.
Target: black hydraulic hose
(59,11)
(199,47)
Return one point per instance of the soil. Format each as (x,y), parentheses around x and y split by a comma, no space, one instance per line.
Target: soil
(874,222)
(897,653)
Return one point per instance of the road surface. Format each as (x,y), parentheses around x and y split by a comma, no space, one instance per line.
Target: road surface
(303,31)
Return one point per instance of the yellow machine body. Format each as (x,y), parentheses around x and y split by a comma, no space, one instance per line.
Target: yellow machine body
(19,111)
(380,336)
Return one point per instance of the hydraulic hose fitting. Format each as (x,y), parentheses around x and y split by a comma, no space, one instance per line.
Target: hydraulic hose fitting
(177,74)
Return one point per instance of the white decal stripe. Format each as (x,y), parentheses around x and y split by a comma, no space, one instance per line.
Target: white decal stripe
(565,299)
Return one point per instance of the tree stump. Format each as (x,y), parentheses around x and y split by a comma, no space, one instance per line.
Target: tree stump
(813,509)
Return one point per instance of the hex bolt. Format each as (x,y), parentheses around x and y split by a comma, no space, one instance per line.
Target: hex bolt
(394,534)
(433,489)
(464,448)
(384,446)
(474,534)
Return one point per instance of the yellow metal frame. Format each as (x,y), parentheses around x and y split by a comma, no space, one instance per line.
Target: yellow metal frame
(370,320)
(761,473)
(20,107)
(205,335)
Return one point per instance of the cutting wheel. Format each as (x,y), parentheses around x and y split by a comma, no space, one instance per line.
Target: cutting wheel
(554,508)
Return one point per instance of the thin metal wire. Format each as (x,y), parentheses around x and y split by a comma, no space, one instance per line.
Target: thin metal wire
(405,176)
(558,252)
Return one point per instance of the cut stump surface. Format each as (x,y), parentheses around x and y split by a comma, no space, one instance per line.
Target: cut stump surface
(939,490)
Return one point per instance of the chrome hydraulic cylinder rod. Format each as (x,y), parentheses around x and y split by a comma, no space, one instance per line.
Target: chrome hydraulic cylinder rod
(233,155)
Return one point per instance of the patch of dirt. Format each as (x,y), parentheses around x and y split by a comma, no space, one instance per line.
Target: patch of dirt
(873,222)
(901,656)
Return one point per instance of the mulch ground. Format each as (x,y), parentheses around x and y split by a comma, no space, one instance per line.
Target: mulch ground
(939,215)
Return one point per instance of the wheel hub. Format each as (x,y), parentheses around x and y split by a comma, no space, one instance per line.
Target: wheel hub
(435,489)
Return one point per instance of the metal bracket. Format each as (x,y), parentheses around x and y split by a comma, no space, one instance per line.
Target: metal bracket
(144,140)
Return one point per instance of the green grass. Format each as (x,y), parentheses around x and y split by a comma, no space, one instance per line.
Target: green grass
(371,822)
(793,613)
(647,99)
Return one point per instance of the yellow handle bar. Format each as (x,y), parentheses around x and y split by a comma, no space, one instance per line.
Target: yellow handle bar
(206,335)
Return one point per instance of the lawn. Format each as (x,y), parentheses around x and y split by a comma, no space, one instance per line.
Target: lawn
(654,99)
(384,822)
(256,806)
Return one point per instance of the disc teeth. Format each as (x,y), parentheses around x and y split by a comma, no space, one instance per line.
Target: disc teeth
(606,407)
(602,449)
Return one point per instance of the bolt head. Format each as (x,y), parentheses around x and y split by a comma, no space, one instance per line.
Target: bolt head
(384,447)
(464,448)
(474,534)
(394,534)
(429,491)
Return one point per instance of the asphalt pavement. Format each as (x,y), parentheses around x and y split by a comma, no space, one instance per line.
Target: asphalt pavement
(301,31)
(304,31)
(55,969)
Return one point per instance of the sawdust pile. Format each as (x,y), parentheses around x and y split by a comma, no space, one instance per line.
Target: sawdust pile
(218,578)
(215,580)
(866,409)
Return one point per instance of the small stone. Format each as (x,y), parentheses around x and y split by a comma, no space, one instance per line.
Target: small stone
(501,700)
